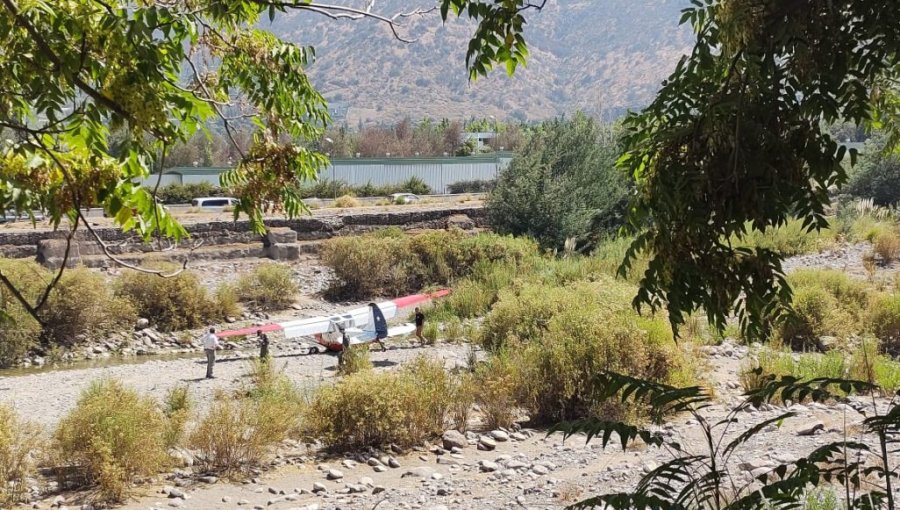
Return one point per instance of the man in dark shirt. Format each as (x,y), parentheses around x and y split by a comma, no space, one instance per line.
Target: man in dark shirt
(263,341)
(420,325)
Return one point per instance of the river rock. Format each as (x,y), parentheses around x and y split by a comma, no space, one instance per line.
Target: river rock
(334,474)
(418,472)
(500,436)
(811,428)
(486,443)
(454,439)
(488,466)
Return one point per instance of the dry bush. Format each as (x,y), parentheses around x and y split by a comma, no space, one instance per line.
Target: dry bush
(390,262)
(269,286)
(20,442)
(83,306)
(887,246)
(355,359)
(346,202)
(430,332)
(111,436)
(239,431)
(465,389)
(370,408)
(497,380)
(175,303)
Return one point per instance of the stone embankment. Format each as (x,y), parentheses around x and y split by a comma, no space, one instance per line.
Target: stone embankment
(287,238)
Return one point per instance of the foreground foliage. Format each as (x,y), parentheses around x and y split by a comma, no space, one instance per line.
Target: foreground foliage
(737,140)
(866,475)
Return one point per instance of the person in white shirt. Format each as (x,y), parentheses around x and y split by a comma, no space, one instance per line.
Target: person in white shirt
(210,344)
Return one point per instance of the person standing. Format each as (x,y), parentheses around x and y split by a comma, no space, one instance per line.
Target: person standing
(420,325)
(263,340)
(210,344)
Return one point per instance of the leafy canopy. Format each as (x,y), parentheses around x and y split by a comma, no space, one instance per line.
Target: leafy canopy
(735,137)
(78,75)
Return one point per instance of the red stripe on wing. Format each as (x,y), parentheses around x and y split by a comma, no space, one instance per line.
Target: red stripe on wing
(250,331)
(419,298)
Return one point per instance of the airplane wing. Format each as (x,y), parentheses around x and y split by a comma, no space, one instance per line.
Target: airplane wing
(357,316)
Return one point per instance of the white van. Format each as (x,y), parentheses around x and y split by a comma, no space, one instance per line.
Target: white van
(214,202)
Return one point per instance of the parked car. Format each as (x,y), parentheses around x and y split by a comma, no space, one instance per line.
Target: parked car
(214,202)
(404,198)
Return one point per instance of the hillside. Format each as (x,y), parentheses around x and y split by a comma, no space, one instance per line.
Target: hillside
(584,54)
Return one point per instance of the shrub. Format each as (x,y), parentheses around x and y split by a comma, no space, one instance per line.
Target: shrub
(562,185)
(461,401)
(866,364)
(802,366)
(346,201)
(887,246)
(177,408)
(173,303)
(825,303)
(877,175)
(83,306)
(19,443)
(237,432)
(369,408)
(269,286)
(555,339)
(789,239)
(19,332)
(184,193)
(430,332)
(497,380)
(884,319)
(453,330)
(475,186)
(355,359)
(389,262)
(112,436)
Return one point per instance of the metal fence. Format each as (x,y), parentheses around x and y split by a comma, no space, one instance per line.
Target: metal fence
(438,173)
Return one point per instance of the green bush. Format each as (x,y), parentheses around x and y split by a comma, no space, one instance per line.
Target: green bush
(369,408)
(177,408)
(554,340)
(112,435)
(562,185)
(884,319)
(82,305)
(789,239)
(184,193)
(877,176)
(19,332)
(825,303)
(392,263)
(355,359)
(20,442)
(867,364)
(238,431)
(173,303)
(804,366)
(270,286)
(476,186)
(887,246)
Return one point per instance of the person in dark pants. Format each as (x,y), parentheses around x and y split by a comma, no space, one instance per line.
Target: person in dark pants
(420,325)
(345,345)
(263,340)
(210,344)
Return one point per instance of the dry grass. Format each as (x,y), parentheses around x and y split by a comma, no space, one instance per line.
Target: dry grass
(240,430)
(370,408)
(355,359)
(346,202)
(270,286)
(112,436)
(20,442)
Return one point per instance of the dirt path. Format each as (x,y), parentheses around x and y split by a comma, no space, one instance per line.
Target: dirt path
(46,396)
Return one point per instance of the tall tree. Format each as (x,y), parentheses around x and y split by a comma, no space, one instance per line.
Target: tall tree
(735,137)
(156,72)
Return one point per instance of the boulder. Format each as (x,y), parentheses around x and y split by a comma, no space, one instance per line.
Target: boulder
(460,221)
(454,438)
(280,235)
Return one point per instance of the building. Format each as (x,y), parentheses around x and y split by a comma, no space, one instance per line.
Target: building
(437,172)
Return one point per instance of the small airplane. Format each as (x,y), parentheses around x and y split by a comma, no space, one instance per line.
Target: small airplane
(362,325)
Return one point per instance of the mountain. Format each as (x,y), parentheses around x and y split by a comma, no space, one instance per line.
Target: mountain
(600,56)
